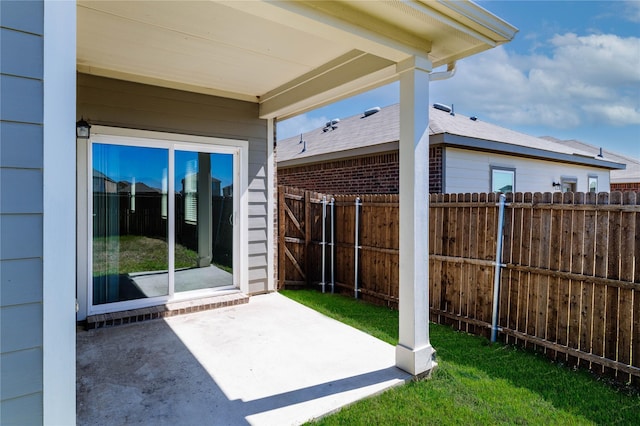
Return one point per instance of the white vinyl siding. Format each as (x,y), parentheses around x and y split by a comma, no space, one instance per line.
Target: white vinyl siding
(470,171)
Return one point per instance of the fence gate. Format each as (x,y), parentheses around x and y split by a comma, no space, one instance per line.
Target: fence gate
(299,237)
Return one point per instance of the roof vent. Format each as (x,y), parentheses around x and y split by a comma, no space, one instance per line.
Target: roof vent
(600,154)
(474,118)
(333,124)
(371,111)
(442,107)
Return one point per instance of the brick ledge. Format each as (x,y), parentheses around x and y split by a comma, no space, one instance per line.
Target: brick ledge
(164,311)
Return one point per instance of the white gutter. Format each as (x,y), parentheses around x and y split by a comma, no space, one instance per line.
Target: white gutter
(444,75)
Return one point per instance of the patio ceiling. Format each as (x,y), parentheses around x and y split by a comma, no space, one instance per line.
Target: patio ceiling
(288,56)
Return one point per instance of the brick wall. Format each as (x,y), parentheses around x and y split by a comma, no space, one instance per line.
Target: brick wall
(623,187)
(435,169)
(373,174)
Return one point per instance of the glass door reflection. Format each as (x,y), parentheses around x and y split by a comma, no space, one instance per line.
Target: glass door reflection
(130,249)
(204,211)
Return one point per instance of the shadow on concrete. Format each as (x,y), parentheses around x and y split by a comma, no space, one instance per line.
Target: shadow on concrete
(269,362)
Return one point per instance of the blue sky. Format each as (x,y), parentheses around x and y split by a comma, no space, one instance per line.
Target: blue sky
(572,72)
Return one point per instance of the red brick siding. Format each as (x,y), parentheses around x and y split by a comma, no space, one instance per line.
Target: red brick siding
(361,175)
(624,187)
(373,174)
(435,170)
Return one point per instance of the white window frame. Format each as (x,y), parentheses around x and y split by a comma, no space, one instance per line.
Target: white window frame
(171,142)
(591,178)
(571,180)
(493,169)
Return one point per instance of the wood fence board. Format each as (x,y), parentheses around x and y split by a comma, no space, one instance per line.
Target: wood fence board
(600,270)
(570,285)
(575,286)
(613,272)
(505,277)
(586,320)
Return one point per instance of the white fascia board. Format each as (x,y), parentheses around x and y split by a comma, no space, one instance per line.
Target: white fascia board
(495,28)
(463,142)
(352,73)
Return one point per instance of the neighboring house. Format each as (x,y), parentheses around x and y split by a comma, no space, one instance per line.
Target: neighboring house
(627,179)
(360,155)
(172,78)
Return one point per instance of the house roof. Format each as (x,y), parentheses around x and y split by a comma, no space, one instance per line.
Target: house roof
(359,135)
(286,56)
(629,175)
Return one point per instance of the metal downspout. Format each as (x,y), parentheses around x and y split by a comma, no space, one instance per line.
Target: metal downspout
(324,240)
(444,75)
(356,247)
(498,268)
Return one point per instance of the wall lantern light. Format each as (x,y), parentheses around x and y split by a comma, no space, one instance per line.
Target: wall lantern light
(83,129)
(556,185)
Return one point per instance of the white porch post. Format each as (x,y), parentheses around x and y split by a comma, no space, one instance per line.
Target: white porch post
(414,352)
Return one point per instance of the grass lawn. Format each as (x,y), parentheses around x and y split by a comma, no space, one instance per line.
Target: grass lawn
(476,382)
(136,253)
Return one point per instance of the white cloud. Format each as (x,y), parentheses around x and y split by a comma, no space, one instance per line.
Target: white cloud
(584,79)
(299,124)
(632,12)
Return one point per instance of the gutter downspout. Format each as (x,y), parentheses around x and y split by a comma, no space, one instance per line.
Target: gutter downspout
(444,75)
(498,266)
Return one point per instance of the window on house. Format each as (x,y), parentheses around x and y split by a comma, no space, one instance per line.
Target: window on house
(503,179)
(569,184)
(593,183)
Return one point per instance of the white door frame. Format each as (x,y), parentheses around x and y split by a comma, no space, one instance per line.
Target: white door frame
(171,142)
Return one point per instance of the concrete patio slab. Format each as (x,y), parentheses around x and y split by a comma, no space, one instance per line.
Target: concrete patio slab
(269,362)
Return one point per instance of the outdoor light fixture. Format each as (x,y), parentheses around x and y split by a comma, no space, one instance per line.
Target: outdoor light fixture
(83,129)
(556,185)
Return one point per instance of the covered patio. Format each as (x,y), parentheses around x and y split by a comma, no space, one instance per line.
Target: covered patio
(166,85)
(269,362)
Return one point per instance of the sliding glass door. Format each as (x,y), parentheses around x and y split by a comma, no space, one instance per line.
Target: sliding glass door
(163,221)
(130,229)
(204,211)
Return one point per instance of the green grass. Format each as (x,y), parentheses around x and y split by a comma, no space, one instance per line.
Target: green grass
(476,382)
(135,253)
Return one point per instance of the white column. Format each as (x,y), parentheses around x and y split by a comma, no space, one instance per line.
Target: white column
(205,218)
(414,352)
(59,220)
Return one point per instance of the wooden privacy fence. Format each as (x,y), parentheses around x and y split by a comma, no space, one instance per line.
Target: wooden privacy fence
(570,276)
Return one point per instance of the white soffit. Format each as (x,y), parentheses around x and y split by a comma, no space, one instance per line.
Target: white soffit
(290,56)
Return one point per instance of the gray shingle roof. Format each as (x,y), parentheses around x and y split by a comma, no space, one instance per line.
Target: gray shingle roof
(356,132)
(630,174)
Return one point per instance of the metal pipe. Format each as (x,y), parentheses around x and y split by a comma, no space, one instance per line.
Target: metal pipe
(333,278)
(498,267)
(356,247)
(324,238)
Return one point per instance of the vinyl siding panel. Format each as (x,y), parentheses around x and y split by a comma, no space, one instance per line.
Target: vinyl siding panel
(21,373)
(21,281)
(26,410)
(27,16)
(26,330)
(110,102)
(21,190)
(21,99)
(20,54)
(21,206)
(21,145)
(469,171)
